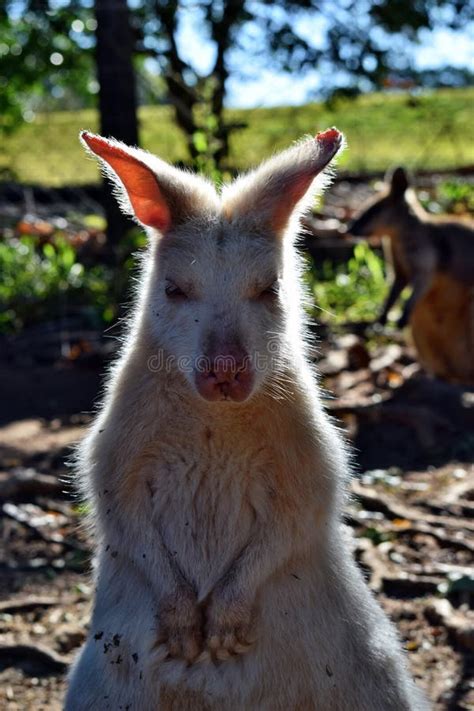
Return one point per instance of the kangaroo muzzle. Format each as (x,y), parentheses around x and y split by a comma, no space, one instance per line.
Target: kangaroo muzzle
(225,375)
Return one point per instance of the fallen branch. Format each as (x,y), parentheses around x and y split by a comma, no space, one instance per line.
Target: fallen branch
(377,559)
(15,513)
(12,654)
(27,484)
(25,604)
(374,501)
(462,507)
(438,569)
(441,536)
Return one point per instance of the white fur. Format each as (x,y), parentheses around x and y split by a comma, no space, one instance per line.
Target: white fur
(230,509)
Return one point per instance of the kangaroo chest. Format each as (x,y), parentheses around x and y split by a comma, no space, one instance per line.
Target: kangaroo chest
(206,501)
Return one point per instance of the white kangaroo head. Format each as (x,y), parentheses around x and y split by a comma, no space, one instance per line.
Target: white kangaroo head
(218,288)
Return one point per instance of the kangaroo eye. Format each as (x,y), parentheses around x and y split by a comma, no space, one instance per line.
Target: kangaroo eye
(271,291)
(173,291)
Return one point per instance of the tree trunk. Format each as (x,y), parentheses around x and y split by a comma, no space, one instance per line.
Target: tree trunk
(117,95)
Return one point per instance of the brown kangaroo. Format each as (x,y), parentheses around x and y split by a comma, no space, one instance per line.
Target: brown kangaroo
(434,255)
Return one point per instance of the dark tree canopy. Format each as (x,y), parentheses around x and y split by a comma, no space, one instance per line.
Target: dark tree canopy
(46,58)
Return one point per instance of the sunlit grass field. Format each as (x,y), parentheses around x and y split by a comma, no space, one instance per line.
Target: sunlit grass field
(432,130)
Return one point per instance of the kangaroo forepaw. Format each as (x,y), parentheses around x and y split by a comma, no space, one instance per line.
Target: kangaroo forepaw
(228,628)
(180,627)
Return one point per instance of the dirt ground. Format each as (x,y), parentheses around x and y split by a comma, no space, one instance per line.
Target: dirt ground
(411,510)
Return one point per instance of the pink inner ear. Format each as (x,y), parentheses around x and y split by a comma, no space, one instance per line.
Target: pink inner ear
(139,181)
(329,143)
(294,191)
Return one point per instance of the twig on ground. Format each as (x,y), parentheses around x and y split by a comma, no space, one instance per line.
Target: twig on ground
(16,514)
(25,604)
(375,501)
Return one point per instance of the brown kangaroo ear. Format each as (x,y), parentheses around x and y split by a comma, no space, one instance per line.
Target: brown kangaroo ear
(139,181)
(399,183)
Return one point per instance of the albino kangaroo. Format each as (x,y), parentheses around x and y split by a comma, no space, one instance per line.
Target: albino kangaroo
(225,580)
(421,245)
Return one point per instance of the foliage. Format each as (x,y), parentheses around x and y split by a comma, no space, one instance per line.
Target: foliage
(41,282)
(356,46)
(352,292)
(375,535)
(456,196)
(382,130)
(46,59)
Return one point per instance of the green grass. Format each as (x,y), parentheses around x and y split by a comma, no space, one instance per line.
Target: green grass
(44,282)
(350,292)
(433,130)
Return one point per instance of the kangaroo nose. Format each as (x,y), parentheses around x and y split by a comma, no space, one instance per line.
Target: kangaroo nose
(225,375)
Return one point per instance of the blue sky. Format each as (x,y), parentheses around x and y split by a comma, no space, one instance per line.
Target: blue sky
(255,83)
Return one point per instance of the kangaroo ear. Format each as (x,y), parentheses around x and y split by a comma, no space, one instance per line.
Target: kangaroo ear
(399,183)
(140,183)
(272,193)
(149,189)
